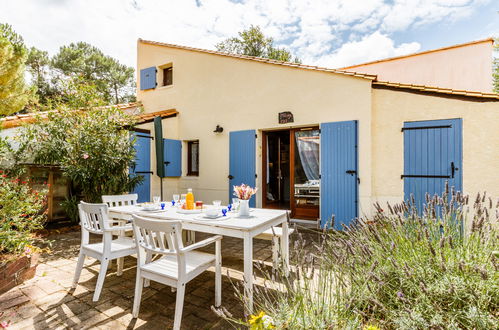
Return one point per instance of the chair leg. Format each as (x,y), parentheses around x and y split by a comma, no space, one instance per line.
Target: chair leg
(275,252)
(79,267)
(192,236)
(179,306)
(147,282)
(100,280)
(218,274)
(119,265)
(139,284)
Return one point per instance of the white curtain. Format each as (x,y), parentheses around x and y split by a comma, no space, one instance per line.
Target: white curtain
(307,143)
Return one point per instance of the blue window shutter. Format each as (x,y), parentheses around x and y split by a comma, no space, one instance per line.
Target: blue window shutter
(142,165)
(242,161)
(173,157)
(431,148)
(339,188)
(148,78)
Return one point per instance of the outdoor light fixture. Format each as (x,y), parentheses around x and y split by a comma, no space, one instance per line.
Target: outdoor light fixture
(218,129)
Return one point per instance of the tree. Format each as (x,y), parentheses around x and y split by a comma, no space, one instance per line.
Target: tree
(14,93)
(253,42)
(38,65)
(114,81)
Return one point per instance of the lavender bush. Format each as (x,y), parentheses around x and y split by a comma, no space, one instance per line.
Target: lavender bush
(400,270)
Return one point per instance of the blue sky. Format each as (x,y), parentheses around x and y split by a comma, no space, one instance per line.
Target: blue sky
(332,33)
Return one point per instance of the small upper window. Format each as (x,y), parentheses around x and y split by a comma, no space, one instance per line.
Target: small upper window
(193,158)
(168,76)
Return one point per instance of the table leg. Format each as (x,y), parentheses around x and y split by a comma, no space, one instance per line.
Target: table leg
(248,272)
(285,246)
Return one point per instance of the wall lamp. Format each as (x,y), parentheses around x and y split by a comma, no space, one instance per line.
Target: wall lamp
(218,129)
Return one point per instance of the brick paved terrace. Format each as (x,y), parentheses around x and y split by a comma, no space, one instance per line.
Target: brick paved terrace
(48,302)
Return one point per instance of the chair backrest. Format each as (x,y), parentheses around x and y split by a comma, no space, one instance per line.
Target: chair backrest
(158,236)
(120,200)
(93,217)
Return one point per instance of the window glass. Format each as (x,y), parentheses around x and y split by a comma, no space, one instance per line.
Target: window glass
(167,76)
(193,158)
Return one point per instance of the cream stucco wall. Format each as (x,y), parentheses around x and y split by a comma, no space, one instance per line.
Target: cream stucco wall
(242,94)
(480,139)
(467,67)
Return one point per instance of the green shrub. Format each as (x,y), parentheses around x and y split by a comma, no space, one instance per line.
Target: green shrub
(20,214)
(399,270)
(92,147)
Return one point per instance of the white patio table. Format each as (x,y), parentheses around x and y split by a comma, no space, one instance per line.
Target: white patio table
(246,228)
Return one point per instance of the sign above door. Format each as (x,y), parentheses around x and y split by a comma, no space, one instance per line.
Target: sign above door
(285,117)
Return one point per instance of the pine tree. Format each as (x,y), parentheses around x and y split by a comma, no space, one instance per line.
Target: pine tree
(14,93)
(253,42)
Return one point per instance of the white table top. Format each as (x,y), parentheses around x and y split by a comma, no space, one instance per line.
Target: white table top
(258,217)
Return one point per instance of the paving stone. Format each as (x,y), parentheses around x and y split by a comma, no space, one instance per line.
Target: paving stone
(53,300)
(12,298)
(23,312)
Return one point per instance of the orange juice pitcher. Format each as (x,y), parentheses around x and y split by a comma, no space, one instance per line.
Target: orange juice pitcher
(189,199)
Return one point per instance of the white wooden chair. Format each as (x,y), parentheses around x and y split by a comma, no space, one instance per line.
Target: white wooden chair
(120,200)
(177,266)
(94,219)
(274,234)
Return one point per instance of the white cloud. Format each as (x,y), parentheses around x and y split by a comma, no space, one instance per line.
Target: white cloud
(372,47)
(318,31)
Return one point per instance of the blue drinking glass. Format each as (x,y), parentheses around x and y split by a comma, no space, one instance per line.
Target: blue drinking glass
(229,207)
(224,212)
(162,205)
(173,202)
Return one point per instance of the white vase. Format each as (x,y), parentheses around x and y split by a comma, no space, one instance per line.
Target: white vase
(244,208)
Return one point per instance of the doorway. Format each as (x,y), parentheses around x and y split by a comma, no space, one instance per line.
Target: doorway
(291,177)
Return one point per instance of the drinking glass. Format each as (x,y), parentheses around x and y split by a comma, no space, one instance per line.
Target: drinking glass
(156,199)
(235,204)
(182,199)
(176,197)
(217,203)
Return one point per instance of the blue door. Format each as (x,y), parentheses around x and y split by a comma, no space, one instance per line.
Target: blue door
(242,160)
(432,156)
(339,175)
(143,166)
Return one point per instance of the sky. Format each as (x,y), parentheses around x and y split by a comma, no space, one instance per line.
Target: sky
(332,33)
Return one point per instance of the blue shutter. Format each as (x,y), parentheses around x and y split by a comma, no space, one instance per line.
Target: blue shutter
(242,160)
(339,188)
(430,150)
(148,78)
(173,157)
(143,166)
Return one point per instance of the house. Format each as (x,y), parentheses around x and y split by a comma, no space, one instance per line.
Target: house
(314,140)
(465,66)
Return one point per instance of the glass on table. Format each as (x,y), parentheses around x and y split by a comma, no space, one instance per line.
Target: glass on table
(235,204)
(176,197)
(156,199)
(217,202)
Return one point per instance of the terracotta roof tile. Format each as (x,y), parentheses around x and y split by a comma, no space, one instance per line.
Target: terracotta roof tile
(431,89)
(18,120)
(263,60)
